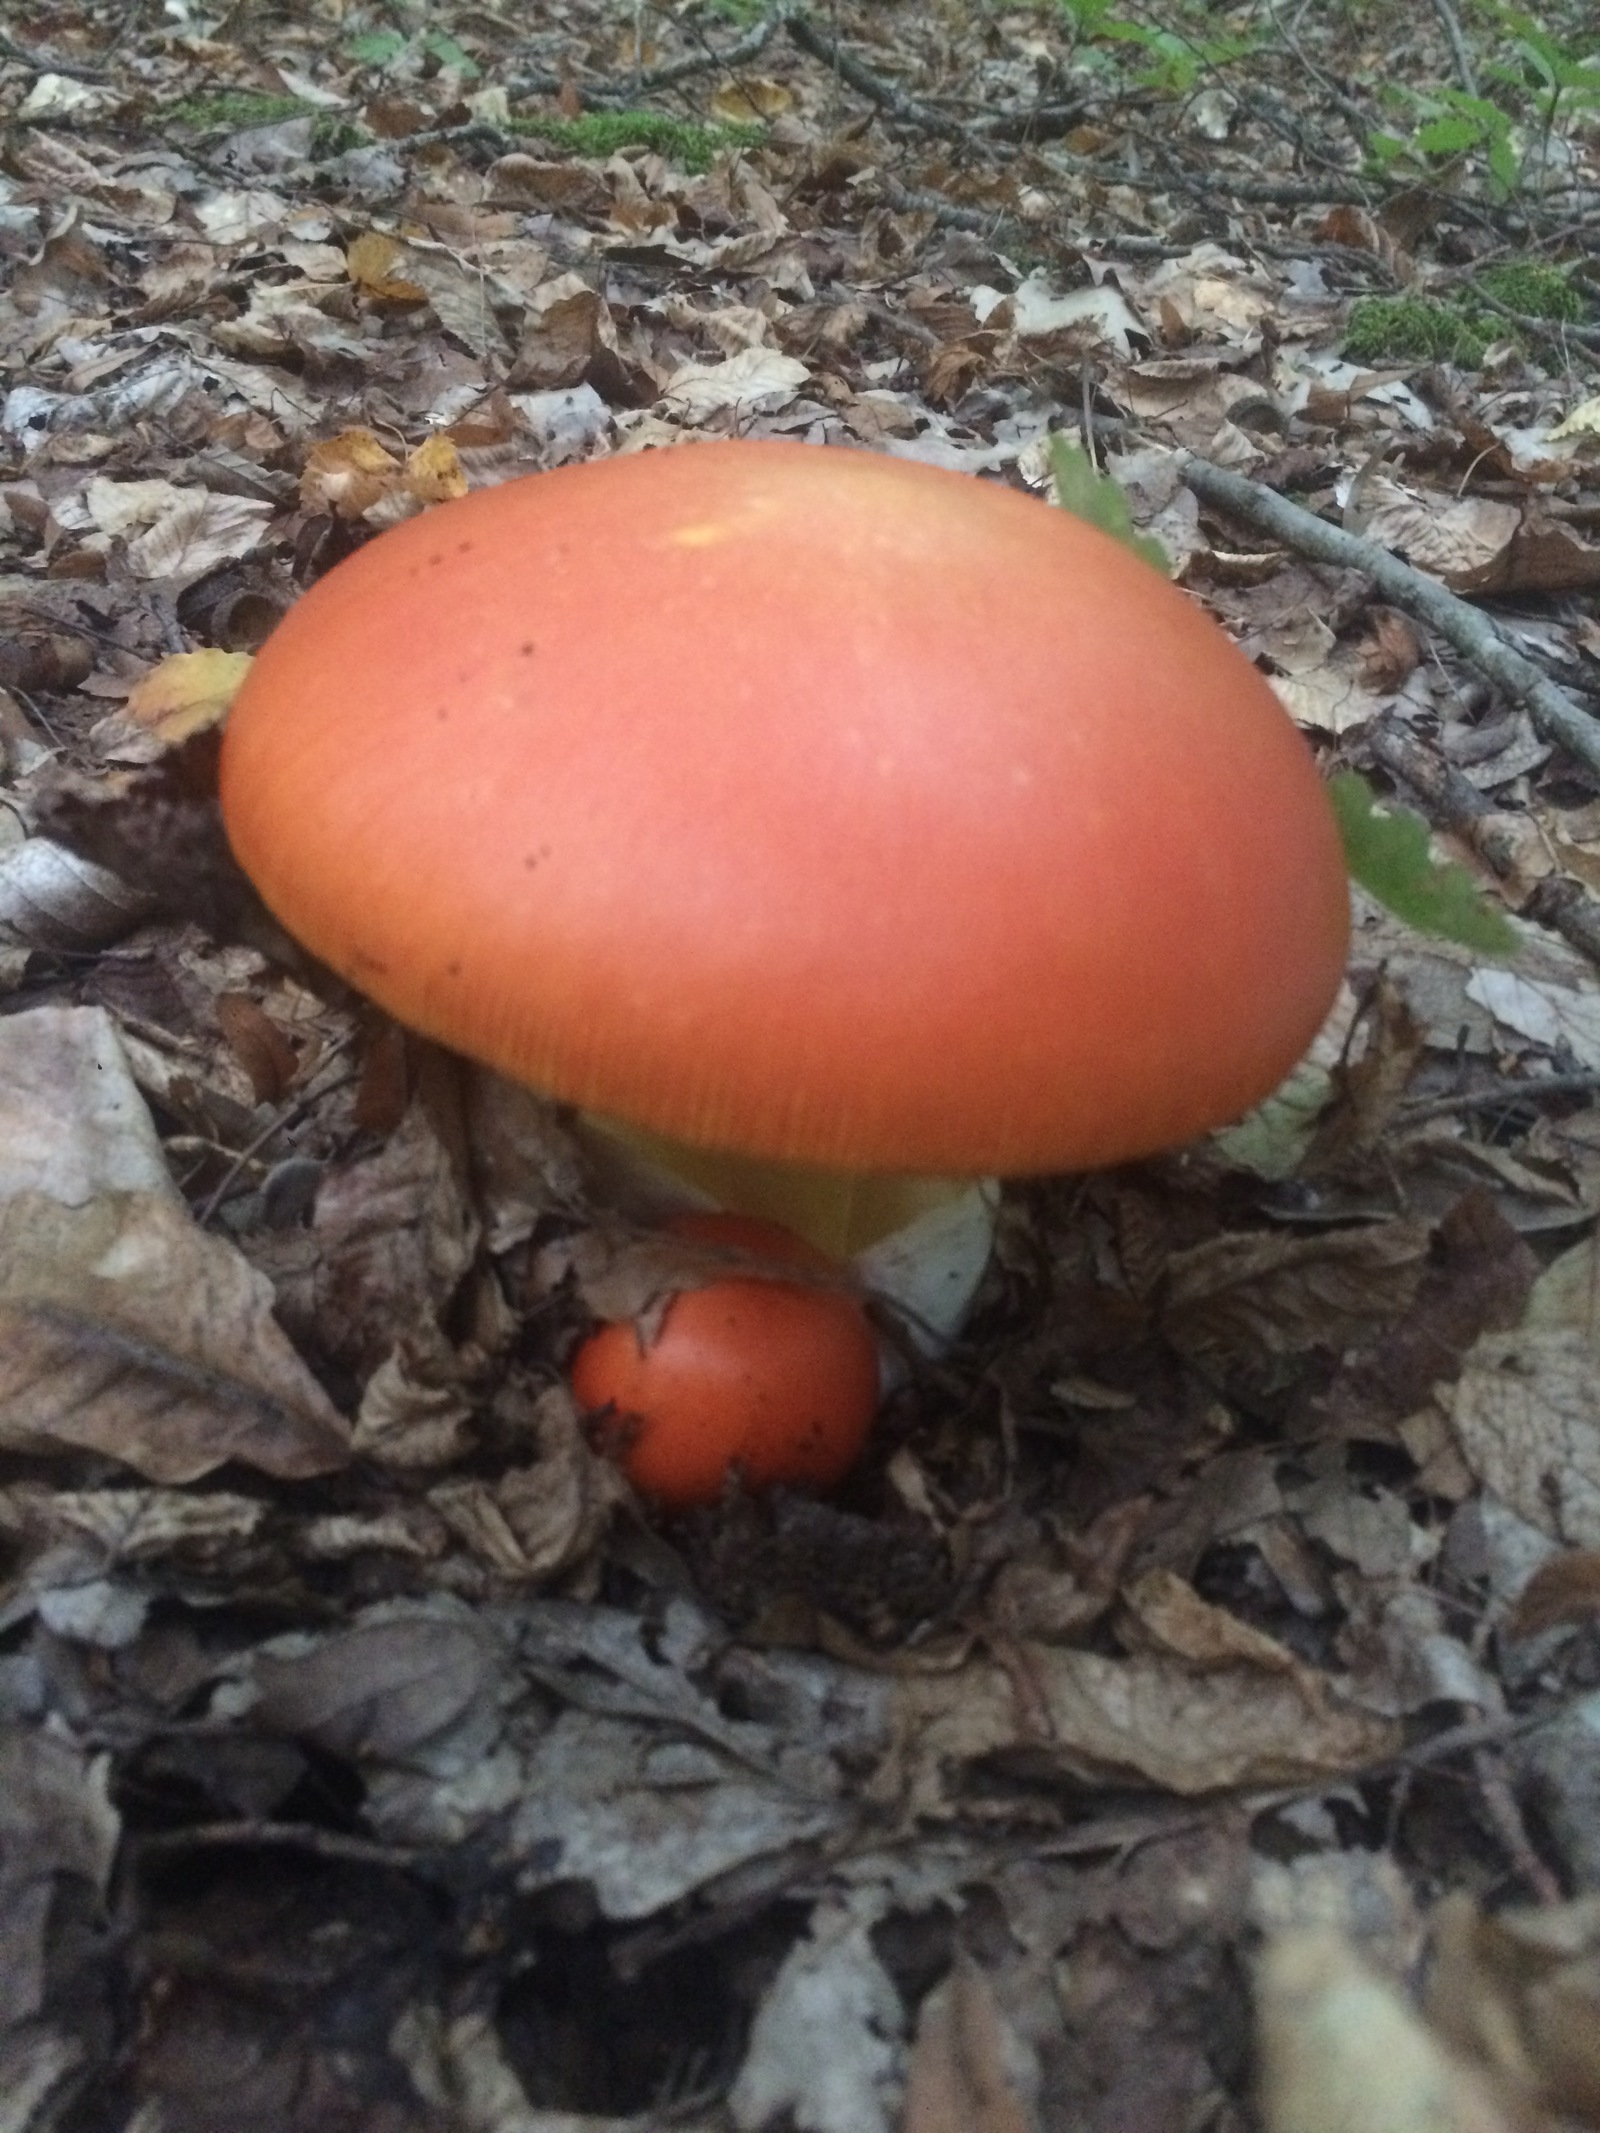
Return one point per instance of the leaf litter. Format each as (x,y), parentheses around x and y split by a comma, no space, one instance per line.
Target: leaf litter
(1186,1718)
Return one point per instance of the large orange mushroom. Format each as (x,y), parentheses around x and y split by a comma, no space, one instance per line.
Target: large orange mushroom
(798,805)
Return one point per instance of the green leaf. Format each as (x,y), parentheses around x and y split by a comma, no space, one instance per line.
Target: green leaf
(1386,849)
(448,52)
(1447,136)
(375,48)
(1096,497)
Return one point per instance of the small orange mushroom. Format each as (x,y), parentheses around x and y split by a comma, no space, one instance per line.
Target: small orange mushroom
(769,1379)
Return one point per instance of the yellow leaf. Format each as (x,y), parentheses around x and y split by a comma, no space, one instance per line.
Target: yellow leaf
(750,96)
(434,472)
(347,474)
(187,693)
(1584,421)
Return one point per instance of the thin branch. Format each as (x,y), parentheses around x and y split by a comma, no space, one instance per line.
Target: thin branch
(1458,46)
(663,77)
(733,55)
(862,79)
(1557,715)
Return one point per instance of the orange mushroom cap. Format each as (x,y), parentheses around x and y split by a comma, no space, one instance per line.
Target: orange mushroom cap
(803,802)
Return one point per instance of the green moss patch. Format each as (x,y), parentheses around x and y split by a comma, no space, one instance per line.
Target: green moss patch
(232,110)
(1462,328)
(602,133)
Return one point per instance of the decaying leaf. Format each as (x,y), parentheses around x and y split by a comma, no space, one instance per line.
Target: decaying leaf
(1519,1994)
(958,2080)
(124,1329)
(1116,1720)
(1241,1305)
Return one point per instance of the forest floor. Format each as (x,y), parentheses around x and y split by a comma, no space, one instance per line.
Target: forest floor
(1188,1718)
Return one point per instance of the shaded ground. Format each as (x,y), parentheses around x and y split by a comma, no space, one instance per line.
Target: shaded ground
(1224,1605)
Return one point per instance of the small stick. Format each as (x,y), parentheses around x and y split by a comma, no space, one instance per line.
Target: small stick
(1458,46)
(1558,716)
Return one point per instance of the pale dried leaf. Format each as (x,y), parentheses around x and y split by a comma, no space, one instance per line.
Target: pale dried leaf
(757,381)
(1452,539)
(51,899)
(127,1330)
(1342,2052)
(378,1691)
(1526,1413)
(1332,699)
(1583,421)
(187,692)
(1151,1719)
(1173,1618)
(1544,1013)
(831,1986)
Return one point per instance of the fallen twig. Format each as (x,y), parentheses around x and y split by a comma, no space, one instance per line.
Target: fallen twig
(603,94)
(1458,46)
(1474,635)
(862,79)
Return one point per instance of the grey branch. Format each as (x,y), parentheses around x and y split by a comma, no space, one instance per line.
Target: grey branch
(1458,46)
(1558,716)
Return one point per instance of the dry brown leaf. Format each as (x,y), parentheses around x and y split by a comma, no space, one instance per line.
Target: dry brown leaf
(1118,1721)
(566,324)
(260,1047)
(751,96)
(1478,1279)
(957,2080)
(395,1234)
(1543,555)
(1462,540)
(1171,1617)
(126,1331)
(1242,1307)
(1561,1594)
(536,1521)
(347,474)
(1520,1993)
(434,473)
(1391,652)
(519,180)
(370,260)
(1382,1051)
